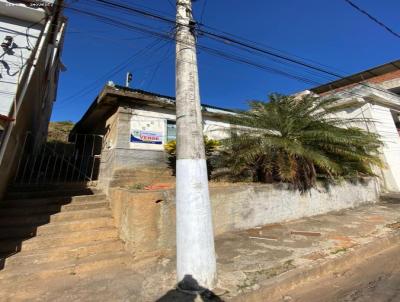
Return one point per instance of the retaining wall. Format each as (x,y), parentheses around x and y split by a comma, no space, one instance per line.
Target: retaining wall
(146,219)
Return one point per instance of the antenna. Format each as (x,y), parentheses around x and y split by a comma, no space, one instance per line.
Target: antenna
(128,79)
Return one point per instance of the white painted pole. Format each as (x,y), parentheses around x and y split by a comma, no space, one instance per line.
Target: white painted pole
(194,229)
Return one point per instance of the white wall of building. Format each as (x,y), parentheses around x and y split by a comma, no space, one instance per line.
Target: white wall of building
(384,125)
(153,121)
(13,62)
(29,70)
(379,107)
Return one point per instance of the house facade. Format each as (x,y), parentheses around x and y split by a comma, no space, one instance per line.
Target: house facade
(31,33)
(373,95)
(135,126)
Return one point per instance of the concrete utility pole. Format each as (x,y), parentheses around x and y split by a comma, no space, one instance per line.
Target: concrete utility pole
(194,229)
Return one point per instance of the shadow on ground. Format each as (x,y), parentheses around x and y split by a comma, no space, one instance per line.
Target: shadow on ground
(189,290)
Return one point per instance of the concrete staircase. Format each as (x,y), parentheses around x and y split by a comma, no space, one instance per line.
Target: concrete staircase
(52,233)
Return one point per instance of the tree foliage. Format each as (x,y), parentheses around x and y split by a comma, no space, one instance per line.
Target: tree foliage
(297,140)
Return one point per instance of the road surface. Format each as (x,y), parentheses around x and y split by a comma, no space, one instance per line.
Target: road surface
(375,279)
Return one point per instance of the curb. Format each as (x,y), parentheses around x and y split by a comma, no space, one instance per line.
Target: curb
(276,287)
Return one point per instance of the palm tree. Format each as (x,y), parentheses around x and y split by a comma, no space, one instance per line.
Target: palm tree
(297,140)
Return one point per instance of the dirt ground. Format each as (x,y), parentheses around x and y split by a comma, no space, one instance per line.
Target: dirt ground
(375,279)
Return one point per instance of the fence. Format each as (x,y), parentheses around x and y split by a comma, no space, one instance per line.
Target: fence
(60,162)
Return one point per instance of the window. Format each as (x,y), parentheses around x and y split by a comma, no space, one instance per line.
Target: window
(171,131)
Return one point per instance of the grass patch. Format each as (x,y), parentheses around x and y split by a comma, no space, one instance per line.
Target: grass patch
(341,250)
(138,186)
(252,278)
(395,226)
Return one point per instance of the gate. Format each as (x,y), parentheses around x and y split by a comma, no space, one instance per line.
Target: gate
(76,161)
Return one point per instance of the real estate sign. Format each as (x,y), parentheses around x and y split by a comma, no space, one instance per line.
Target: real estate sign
(146,130)
(147,137)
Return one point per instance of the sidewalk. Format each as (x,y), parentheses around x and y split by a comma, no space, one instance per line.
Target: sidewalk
(251,259)
(248,261)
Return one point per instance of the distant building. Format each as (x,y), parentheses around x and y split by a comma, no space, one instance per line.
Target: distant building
(31,37)
(373,94)
(136,125)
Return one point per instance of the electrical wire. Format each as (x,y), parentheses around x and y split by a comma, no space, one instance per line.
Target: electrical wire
(172,6)
(228,38)
(219,53)
(374,19)
(93,85)
(163,35)
(164,58)
(203,10)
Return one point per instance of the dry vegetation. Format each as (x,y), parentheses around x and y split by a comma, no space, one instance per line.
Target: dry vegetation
(59,131)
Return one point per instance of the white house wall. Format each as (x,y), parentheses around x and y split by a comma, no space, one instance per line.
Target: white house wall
(13,63)
(387,130)
(156,121)
(216,130)
(381,123)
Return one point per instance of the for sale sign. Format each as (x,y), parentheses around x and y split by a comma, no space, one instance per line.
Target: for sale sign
(146,137)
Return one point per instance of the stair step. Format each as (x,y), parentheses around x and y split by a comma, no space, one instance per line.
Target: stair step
(390,197)
(51,209)
(63,253)
(56,240)
(14,203)
(62,216)
(55,227)
(48,187)
(50,193)
(63,268)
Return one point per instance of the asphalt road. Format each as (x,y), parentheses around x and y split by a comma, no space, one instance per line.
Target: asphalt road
(375,279)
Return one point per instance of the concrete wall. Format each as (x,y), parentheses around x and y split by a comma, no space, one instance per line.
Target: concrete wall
(146,219)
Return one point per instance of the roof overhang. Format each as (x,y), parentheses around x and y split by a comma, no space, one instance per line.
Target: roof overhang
(358,77)
(111,97)
(28,10)
(361,94)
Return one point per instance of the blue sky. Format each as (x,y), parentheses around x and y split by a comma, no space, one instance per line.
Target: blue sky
(328,32)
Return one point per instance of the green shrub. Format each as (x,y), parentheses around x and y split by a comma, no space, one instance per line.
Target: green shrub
(210,147)
(297,141)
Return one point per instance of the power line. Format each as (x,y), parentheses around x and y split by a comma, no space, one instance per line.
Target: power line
(165,57)
(225,55)
(172,6)
(93,85)
(380,23)
(203,10)
(173,22)
(220,37)
(228,38)
(215,52)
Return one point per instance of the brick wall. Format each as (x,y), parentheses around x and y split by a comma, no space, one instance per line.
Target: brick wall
(374,80)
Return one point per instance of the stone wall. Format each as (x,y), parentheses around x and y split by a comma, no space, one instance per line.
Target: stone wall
(146,219)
